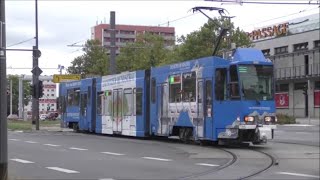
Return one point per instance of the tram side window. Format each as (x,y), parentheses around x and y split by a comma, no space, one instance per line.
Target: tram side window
(153,90)
(70,95)
(99,103)
(127,102)
(89,94)
(76,99)
(107,108)
(64,105)
(200,91)
(139,94)
(83,103)
(208,98)
(220,84)
(189,83)
(175,88)
(234,85)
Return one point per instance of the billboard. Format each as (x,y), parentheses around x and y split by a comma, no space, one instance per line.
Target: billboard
(282,100)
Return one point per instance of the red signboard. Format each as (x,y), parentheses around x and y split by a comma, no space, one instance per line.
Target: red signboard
(47,100)
(49,86)
(282,100)
(317,98)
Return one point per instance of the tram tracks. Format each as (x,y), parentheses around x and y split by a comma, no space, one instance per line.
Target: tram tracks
(234,163)
(226,165)
(272,163)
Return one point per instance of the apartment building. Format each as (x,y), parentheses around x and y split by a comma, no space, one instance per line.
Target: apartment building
(128,34)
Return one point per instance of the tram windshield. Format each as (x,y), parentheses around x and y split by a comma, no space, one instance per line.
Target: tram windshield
(256,82)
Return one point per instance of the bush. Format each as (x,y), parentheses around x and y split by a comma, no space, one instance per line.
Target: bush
(285,119)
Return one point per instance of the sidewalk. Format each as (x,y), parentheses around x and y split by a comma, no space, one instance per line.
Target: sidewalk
(312,121)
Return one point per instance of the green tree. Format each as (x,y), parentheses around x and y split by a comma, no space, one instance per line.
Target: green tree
(201,43)
(94,61)
(149,50)
(15,93)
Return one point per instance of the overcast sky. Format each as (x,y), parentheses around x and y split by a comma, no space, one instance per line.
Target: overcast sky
(66,22)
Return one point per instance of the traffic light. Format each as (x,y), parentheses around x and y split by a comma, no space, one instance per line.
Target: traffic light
(305,89)
(33,91)
(40,89)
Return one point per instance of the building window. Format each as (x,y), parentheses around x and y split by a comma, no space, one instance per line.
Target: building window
(317,44)
(52,104)
(52,94)
(52,90)
(281,50)
(300,46)
(282,88)
(266,52)
(300,86)
(317,85)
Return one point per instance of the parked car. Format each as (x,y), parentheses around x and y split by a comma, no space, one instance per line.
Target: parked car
(53,116)
(43,117)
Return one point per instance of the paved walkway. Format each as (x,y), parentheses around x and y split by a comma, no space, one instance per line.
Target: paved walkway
(311,121)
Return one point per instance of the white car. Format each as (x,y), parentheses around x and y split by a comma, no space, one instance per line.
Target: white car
(43,117)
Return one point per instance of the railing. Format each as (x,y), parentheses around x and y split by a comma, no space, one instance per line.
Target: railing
(297,71)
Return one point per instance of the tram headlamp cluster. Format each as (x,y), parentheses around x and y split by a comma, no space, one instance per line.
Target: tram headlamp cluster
(267,118)
(248,118)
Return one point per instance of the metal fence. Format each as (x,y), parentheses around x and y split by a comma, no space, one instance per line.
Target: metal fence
(297,71)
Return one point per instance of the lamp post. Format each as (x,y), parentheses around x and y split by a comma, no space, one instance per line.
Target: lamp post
(3,96)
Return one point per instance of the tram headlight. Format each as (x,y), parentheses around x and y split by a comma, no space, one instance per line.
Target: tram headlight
(248,119)
(267,119)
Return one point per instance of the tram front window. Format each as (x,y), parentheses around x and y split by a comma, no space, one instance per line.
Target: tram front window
(256,82)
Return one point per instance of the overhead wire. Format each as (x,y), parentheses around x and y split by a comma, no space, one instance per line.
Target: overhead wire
(304,10)
(21,42)
(267,2)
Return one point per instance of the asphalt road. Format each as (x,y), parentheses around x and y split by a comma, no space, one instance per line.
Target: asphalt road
(67,155)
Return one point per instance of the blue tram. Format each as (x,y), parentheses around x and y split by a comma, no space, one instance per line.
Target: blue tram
(215,99)
(69,97)
(206,99)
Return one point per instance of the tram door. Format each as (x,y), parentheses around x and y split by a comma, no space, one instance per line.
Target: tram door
(83,111)
(208,109)
(163,106)
(117,110)
(199,120)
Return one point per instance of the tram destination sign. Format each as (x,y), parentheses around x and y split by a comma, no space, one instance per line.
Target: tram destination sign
(57,78)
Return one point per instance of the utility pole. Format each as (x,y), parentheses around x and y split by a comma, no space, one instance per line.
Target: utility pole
(112,42)
(11,97)
(3,96)
(36,71)
(21,111)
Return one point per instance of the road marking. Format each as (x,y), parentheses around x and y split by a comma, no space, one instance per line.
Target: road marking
(112,153)
(19,131)
(31,142)
(80,149)
(62,170)
(158,159)
(22,161)
(14,139)
(297,174)
(302,133)
(298,125)
(53,145)
(205,164)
